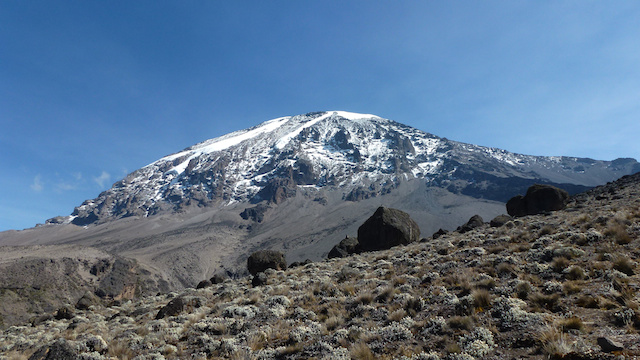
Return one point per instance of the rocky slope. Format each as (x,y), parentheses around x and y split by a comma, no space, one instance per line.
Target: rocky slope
(557,285)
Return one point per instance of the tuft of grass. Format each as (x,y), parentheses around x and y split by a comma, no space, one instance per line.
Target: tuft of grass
(588,301)
(624,265)
(546,230)
(572,323)
(460,322)
(481,299)
(542,301)
(575,273)
(571,287)
(618,233)
(523,290)
(560,263)
(360,351)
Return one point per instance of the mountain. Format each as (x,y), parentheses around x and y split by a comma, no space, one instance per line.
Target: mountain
(298,184)
(357,155)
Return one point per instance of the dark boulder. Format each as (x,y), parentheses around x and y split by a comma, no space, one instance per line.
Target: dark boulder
(500,220)
(58,350)
(64,313)
(259,279)
(204,284)
(609,345)
(439,233)
(474,222)
(346,247)
(387,228)
(173,308)
(217,279)
(262,260)
(539,199)
(86,301)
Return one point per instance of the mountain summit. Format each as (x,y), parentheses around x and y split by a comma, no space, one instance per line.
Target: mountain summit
(359,155)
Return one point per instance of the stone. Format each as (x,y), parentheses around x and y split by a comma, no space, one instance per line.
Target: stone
(262,260)
(474,222)
(387,228)
(64,313)
(439,233)
(346,247)
(58,350)
(173,308)
(609,345)
(86,301)
(500,220)
(204,284)
(217,279)
(539,199)
(259,279)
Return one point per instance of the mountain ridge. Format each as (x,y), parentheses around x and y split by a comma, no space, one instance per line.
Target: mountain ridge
(362,155)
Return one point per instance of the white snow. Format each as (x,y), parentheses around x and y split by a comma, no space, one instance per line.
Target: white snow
(287,138)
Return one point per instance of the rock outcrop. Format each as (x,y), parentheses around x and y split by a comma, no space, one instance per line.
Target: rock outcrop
(539,199)
(387,228)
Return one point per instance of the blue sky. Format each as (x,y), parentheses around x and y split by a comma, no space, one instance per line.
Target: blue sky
(92,90)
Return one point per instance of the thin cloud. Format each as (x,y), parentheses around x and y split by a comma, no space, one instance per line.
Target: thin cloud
(103,179)
(37,185)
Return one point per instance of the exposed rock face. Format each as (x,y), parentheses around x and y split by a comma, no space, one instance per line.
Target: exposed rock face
(539,199)
(262,260)
(387,228)
(346,247)
(475,222)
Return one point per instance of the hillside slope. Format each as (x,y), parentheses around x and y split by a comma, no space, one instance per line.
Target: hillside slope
(557,285)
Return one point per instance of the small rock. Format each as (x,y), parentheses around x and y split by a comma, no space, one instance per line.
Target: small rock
(475,222)
(259,279)
(86,301)
(609,345)
(64,313)
(346,247)
(296,264)
(173,308)
(217,279)
(500,220)
(59,350)
(204,284)
(439,233)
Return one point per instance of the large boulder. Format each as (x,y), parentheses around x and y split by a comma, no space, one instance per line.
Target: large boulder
(345,248)
(387,228)
(539,199)
(262,260)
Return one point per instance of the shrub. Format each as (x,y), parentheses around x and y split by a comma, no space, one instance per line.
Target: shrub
(481,299)
(624,265)
(523,289)
(572,323)
(461,322)
(560,263)
(588,301)
(574,273)
(549,302)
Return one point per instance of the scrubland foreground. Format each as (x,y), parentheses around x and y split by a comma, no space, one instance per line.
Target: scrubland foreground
(558,285)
